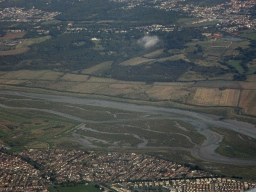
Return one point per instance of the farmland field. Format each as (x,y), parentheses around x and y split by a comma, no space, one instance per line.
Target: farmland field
(98,69)
(215,97)
(31,41)
(168,91)
(14,51)
(74,77)
(251,36)
(12,35)
(136,61)
(23,74)
(247,102)
(154,54)
(50,75)
(236,64)
(18,129)
(252,70)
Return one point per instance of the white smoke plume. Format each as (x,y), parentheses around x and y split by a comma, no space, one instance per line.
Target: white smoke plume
(148,41)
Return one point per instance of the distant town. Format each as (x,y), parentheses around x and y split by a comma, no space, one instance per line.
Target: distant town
(229,17)
(15,14)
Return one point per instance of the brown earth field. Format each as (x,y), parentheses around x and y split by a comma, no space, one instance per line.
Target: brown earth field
(12,35)
(216,97)
(14,51)
(248,102)
(202,93)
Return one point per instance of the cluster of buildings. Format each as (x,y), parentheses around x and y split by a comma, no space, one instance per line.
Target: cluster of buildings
(112,167)
(188,185)
(15,14)
(229,16)
(155,27)
(234,14)
(34,169)
(18,175)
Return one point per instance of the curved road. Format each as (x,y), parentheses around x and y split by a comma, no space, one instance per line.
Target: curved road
(201,122)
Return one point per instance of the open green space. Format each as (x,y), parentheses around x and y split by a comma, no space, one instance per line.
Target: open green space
(28,42)
(252,70)
(236,64)
(236,145)
(20,128)
(251,36)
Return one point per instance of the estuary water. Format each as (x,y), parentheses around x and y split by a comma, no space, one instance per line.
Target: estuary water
(201,122)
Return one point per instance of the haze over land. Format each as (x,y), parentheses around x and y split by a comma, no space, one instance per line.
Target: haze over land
(170,79)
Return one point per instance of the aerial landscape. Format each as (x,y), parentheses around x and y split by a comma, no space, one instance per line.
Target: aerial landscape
(128,95)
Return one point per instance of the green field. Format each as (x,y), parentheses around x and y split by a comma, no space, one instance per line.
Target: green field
(252,70)
(251,36)
(20,128)
(236,64)
(236,145)
(32,41)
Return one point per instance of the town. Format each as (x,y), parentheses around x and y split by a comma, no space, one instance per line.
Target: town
(34,169)
(228,17)
(15,14)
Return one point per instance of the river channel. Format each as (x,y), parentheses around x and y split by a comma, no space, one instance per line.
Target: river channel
(201,122)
